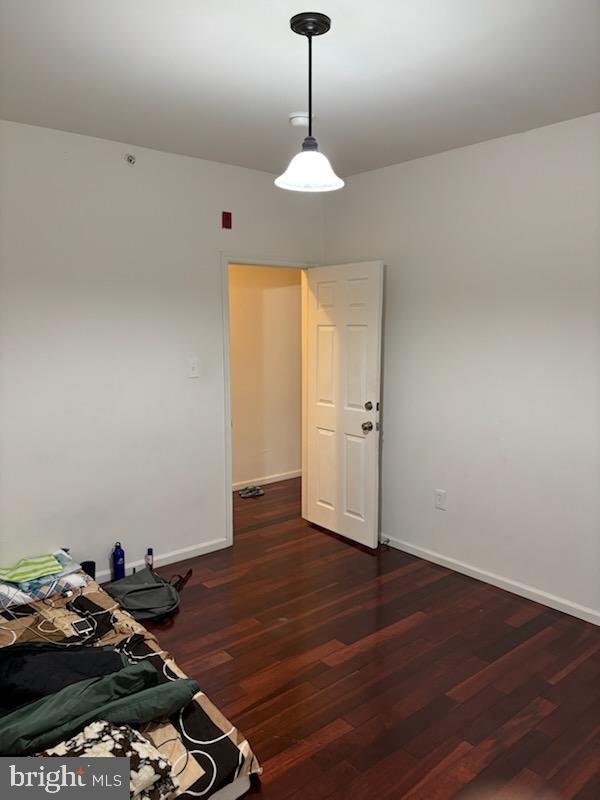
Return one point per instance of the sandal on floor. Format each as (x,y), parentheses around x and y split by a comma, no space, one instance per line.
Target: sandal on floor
(251,491)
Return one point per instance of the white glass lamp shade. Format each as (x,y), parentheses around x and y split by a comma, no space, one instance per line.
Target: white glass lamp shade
(309,171)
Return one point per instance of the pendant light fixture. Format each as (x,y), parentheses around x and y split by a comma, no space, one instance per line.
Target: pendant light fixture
(310,170)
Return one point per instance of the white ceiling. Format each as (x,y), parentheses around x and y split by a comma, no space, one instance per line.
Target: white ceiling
(394,79)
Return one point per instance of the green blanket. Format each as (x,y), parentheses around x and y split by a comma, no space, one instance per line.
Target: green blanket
(133,696)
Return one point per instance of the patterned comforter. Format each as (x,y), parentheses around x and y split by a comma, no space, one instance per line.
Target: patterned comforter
(207,752)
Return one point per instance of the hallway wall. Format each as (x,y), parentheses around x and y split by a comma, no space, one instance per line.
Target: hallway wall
(265,341)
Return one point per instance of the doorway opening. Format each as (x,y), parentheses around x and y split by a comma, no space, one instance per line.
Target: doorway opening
(302,388)
(265,363)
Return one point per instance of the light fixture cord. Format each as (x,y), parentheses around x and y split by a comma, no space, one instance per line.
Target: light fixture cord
(309,85)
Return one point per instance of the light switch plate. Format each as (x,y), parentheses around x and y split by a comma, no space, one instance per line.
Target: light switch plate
(193,367)
(441,499)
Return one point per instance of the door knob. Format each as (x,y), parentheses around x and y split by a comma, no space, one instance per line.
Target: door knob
(367,426)
(368,406)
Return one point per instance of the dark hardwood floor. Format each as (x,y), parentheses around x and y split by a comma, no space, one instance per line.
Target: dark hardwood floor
(378,675)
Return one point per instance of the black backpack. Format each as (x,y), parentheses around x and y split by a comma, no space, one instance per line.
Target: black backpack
(147,596)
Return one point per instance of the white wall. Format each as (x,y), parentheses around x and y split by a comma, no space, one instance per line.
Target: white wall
(266,361)
(492,354)
(110,280)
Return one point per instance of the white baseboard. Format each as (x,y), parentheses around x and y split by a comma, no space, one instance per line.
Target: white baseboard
(172,557)
(280,476)
(523,589)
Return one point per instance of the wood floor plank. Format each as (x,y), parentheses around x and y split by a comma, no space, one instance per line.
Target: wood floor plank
(304,749)
(360,674)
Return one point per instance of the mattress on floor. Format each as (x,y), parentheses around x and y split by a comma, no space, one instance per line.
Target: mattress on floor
(207,752)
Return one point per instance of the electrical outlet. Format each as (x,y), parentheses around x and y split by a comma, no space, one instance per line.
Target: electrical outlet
(441,499)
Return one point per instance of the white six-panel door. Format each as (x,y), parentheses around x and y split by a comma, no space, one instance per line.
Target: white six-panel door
(342,373)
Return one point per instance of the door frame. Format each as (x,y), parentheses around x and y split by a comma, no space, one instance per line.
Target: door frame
(226,259)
